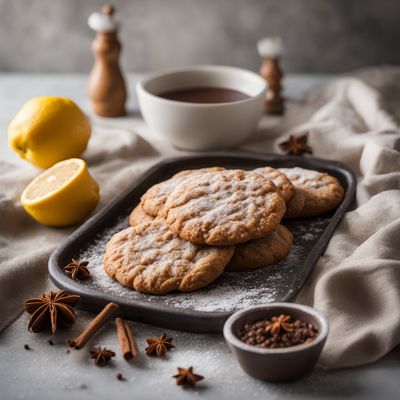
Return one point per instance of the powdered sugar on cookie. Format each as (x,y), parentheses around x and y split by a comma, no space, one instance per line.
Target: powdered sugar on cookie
(280,180)
(151,259)
(154,199)
(223,208)
(306,177)
(315,192)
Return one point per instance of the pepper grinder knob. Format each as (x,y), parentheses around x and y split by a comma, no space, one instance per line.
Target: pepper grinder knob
(108,9)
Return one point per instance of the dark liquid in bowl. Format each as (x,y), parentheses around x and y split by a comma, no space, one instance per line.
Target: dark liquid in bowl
(205,95)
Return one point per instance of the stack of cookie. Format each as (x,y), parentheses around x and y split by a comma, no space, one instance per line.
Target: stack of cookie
(187,230)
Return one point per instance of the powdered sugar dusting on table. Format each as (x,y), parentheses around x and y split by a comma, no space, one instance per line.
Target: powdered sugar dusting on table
(231,291)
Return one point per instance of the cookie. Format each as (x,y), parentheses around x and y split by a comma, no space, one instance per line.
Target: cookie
(138,216)
(224,208)
(154,199)
(261,252)
(151,259)
(281,181)
(315,193)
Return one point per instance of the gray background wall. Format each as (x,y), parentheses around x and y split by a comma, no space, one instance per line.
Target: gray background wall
(320,35)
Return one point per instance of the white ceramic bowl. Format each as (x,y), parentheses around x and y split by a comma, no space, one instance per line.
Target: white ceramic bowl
(193,126)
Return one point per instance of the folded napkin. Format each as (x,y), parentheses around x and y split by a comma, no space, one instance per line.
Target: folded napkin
(356,283)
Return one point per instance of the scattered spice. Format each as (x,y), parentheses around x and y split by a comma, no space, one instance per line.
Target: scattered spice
(296,145)
(279,331)
(76,269)
(120,377)
(159,346)
(94,325)
(187,377)
(51,310)
(27,347)
(51,343)
(127,342)
(101,356)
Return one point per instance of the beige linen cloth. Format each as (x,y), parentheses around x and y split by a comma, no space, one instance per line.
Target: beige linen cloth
(356,283)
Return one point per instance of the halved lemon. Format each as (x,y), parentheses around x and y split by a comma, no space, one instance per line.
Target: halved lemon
(63,195)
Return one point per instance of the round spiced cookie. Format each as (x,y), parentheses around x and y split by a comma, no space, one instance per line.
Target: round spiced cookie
(151,259)
(281,181)
(224,208)
(315,193)
(154,199)
(138,216)
(261,252)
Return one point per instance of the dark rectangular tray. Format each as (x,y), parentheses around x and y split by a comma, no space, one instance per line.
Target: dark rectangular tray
(207,309)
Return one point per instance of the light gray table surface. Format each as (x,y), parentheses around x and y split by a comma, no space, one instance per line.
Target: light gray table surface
(47,372)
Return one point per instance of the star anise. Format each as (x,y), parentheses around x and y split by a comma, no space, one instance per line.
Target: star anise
(51,310)
(77,269)
(279,323)
(101,356)
(187,377)
(296,145)
(159,346)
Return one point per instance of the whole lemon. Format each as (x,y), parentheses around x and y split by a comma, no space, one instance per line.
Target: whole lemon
(49,129)
(62,195)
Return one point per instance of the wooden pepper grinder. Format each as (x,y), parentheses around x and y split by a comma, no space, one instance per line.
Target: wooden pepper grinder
(107,90)
(270,49)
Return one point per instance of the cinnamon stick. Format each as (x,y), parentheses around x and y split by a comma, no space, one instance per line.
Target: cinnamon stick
(93,326)
(127,342)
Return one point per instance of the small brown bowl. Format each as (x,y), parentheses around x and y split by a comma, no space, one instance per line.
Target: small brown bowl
(282,364)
